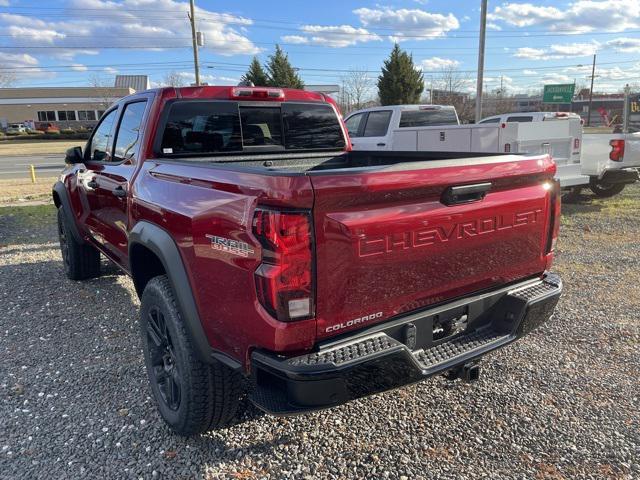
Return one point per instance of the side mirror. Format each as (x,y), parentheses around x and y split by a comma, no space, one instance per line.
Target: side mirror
(74,155)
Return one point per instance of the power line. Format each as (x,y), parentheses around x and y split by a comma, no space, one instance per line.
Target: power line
(246,21)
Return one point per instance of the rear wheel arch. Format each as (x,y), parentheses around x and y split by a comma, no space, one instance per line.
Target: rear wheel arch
(148,241)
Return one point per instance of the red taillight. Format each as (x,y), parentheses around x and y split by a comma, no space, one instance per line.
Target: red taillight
(554,221)
(284,279)
(617,150)
(259,93)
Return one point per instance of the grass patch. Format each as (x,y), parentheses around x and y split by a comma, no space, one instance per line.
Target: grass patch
(28,224)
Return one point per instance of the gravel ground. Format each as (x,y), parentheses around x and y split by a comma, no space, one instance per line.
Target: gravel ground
(562,403)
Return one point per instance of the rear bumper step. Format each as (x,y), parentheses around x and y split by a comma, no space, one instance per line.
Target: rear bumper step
(401,351)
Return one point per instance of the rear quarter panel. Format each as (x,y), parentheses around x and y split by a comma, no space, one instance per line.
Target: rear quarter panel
(191,202)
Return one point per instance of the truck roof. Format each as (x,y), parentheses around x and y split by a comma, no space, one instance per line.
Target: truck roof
(405,107)
(228,92)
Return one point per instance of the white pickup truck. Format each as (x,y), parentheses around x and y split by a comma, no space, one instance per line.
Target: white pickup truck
(437,128)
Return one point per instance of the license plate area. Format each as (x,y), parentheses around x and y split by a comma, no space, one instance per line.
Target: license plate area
(431,330)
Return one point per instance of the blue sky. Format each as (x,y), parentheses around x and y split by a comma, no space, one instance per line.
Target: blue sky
(70,42)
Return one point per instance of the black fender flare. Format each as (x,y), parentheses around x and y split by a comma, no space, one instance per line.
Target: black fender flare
(160,242)
(60,191)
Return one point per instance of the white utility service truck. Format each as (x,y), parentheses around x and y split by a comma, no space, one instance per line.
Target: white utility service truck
(437,128)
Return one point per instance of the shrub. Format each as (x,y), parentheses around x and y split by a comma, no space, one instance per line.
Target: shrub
(67,131)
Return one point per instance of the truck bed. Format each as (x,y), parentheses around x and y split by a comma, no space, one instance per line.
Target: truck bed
(320,162)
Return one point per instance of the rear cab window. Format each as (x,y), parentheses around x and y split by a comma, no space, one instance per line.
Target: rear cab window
(205,127)
(428,117)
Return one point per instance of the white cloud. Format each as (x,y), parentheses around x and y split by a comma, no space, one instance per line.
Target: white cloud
(626,45)
(437,63)
(556,78)
(493,26)
(579,16)
(294,39)
(78,67)
(337,36)
(530,53)
(22,65)
(408,23)
(529,72)
(567,50)
(110,70)
(128,24)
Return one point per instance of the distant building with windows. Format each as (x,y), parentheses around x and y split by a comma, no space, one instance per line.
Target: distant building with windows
(66,107)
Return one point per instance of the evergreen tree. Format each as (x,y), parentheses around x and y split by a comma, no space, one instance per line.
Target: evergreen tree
(256,74)
(400,83)
(280,73)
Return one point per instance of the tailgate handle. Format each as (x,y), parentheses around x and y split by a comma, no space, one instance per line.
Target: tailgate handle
(465,193)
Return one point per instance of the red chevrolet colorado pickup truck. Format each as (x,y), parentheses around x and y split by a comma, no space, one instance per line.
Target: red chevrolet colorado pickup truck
(261,246)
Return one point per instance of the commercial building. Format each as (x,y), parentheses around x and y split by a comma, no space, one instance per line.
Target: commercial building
(67,107)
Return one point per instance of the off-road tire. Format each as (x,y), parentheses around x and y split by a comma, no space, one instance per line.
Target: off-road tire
(208,393)
(81,260)
(605,190)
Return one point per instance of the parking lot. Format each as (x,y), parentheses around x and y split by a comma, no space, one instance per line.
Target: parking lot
(563,403)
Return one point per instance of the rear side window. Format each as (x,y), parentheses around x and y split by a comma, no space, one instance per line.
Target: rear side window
(209,127)
(526,118)
(377,124)
(427,118)
(491,120)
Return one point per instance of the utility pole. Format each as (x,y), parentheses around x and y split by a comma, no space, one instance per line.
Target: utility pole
(479,80)
(593,76)
(196,62)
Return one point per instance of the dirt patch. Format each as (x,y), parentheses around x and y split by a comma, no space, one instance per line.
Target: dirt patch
(36,147)
(21,190)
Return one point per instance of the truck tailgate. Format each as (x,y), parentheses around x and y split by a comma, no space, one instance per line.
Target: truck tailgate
(387,244)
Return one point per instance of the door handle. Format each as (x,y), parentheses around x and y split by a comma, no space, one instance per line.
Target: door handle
(381,144)
(119,192)
(465,193)
(92,184)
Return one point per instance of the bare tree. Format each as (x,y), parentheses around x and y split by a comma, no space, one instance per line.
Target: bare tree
(104,95)
(356,90)
(449,87)
(173,79)
(7,78)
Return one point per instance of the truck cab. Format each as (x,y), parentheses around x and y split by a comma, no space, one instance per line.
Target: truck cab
(382,128)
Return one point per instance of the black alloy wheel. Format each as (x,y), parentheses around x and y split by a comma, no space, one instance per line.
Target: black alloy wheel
(163,359)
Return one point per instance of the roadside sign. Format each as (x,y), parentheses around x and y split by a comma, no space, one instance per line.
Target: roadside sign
(633,109)
(559,93)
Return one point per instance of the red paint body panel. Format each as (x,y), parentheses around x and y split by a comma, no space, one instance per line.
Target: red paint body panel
(387,245)
(384,242)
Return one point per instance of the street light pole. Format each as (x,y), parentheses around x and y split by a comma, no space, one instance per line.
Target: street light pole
(479,80)
(194,36)
(593,76)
